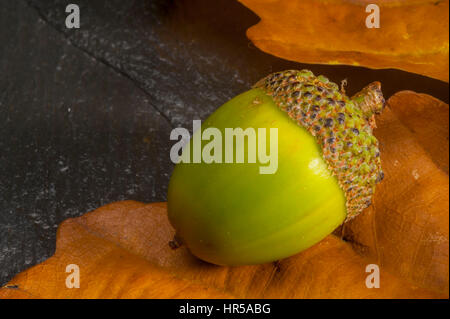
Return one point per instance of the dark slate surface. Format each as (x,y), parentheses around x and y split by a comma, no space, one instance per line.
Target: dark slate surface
(74,135)
(85,114)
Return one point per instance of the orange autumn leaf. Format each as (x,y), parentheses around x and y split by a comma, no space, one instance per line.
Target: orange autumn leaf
(427,119)
(407,228)
(122,249)
(413,35)
(107,270)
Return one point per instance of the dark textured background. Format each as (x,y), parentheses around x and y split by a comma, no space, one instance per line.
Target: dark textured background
(85,114)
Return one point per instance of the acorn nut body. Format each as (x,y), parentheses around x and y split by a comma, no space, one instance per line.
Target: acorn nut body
(327,166)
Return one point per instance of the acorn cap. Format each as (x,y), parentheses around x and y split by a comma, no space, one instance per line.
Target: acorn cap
(342,126)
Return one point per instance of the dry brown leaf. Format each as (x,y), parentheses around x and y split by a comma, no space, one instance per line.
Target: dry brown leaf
(122,251)
(122,248)
(427,119)
(107,270)
(413,35)
(406,230)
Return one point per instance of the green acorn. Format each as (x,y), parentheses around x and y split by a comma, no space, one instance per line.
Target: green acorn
(328,163)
